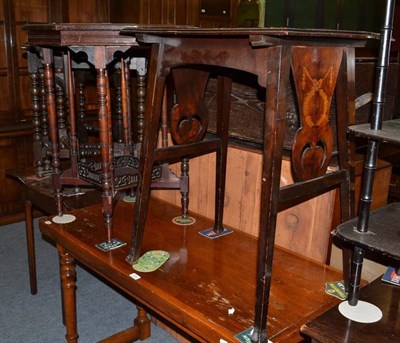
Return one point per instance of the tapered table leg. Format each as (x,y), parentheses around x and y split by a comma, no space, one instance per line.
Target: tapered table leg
(30,242)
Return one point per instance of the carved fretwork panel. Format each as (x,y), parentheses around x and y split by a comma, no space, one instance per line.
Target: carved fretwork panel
(315,72)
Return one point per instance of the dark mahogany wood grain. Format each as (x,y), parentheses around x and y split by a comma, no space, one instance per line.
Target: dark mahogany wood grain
(203,278)
(332,327)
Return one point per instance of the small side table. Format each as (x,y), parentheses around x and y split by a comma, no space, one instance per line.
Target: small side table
(39,192)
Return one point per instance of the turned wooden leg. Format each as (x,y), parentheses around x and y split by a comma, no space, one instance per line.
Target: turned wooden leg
(30,242)
(143,323)
(48,77)
(105,150)
(68,284)
(184,187)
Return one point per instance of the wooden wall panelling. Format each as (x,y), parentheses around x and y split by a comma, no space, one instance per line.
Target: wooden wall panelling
(15,99)
(88,11)
(169,12)
(299,228)
(25,11)
(125,11)
(7,101)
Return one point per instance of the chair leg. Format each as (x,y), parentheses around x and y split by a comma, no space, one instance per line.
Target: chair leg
(30,241)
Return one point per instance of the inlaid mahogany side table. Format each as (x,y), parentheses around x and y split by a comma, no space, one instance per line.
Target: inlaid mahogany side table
(320,63)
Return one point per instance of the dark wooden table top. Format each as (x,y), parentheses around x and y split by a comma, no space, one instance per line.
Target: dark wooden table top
(40,191)
(332,327)
(203,278)
(82,34)
(122,34)
(273,31)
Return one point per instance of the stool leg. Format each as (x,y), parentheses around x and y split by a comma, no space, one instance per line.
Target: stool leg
(30,241)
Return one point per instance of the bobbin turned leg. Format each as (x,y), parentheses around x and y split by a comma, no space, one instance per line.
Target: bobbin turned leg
(48,76)
(105,150)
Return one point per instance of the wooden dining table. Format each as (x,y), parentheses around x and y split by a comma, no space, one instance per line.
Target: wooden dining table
(206,289)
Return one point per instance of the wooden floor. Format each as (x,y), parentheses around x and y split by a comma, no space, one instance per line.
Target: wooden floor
(203,278)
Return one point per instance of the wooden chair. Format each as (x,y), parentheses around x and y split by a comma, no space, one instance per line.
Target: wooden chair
(377,230)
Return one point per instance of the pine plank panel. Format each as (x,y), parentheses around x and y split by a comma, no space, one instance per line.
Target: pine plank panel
(299,228)
(250,205)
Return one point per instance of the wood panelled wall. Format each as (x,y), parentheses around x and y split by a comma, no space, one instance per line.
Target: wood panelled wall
(15,103)
(87,11)
(168,12)
(175,12)
(14,79)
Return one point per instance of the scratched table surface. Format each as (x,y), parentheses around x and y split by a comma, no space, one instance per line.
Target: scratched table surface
(203,278)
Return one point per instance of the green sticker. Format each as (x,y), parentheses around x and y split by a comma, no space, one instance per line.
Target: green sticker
(336,288)
(151,261)
(181,220)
